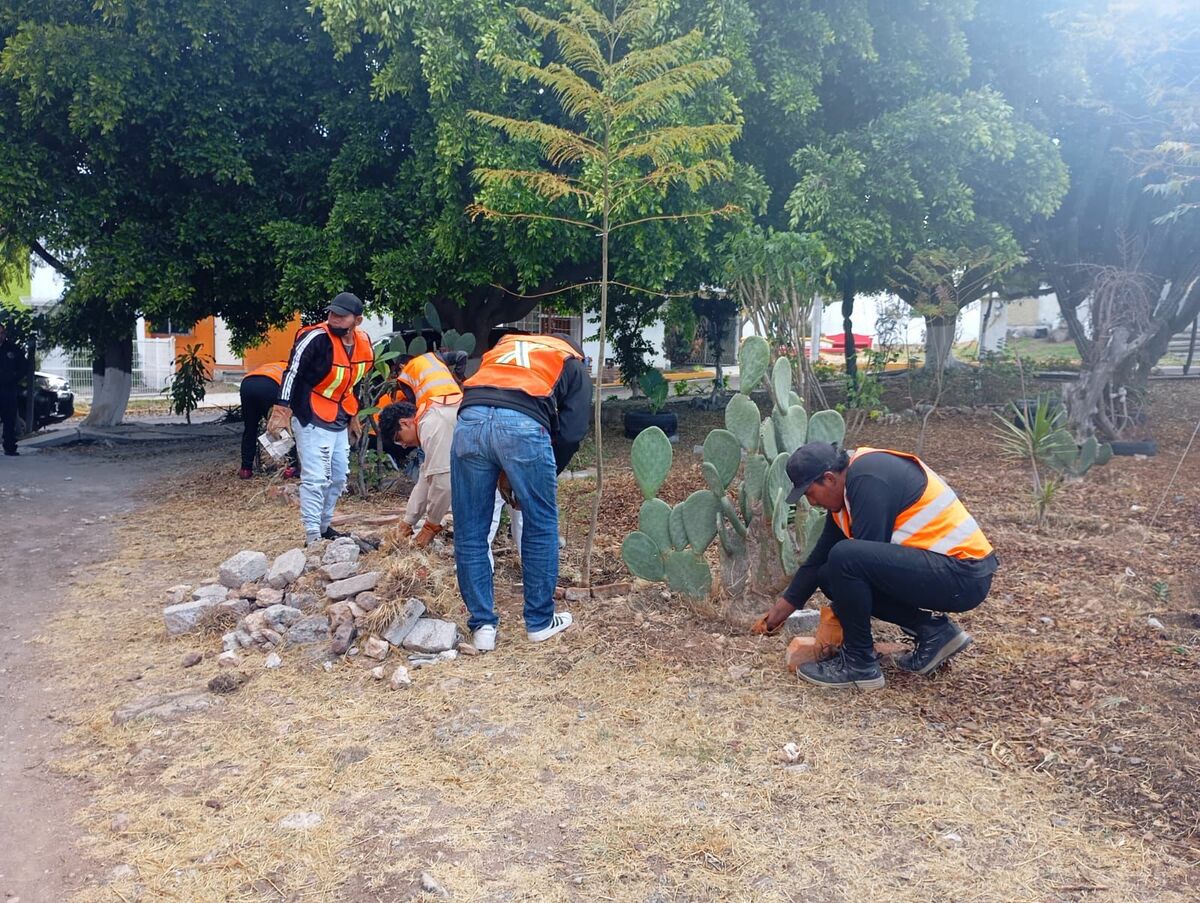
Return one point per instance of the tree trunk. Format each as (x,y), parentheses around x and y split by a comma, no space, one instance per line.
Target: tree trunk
(110,393)
(848,329)
(939,343)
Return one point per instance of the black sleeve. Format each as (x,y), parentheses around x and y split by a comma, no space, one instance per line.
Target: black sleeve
(878,488)
(310,359)
(573,397)
(804,581)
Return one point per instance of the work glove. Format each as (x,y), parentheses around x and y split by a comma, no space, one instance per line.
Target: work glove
(506,492)
(279,420)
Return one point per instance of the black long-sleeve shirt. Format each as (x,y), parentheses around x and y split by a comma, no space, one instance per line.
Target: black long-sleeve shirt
(878,488)
(14,366)
(565,412)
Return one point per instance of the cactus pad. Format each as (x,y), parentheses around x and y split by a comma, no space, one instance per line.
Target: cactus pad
(431,316)
(792,427)
(653,520)
(781,381)
(688,573)
(742,419)
(723,451)
(651,457)
(642,556)
(753,359)
(700,518)
(826,426)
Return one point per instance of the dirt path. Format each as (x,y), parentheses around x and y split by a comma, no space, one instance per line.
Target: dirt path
(57,511)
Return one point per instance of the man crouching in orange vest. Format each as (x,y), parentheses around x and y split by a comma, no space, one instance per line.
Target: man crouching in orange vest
(898,545)
(317,397)
(425,418)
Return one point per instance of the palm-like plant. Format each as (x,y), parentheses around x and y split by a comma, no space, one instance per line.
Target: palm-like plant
(1038,435)
(626,141)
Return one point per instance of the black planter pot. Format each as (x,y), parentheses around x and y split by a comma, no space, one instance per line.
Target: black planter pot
(1121,447)
(636,421)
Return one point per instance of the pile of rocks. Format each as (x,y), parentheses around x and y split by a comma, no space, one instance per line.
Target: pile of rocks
(302,598)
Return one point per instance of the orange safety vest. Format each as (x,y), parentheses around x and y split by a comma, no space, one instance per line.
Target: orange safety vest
(273,371)
(337,388)
(529,363)
(431,382)
(937,521)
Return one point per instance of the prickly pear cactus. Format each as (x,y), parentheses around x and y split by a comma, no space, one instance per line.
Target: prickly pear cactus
(761,539)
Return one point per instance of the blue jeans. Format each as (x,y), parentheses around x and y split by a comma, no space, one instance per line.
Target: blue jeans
(486,442)
(324,463)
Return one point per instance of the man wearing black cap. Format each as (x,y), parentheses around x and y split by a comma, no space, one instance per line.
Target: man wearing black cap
(13,365)
(898,545)
(317,398)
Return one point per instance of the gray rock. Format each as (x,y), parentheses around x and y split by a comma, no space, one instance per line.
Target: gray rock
(179,593)
(185,617)
(402,625)
(345,589)
(239,607)
(312,562)
(273,661)
(244,567)
(268,596)
(376,648)
(803,622)
(309,602)
(235,640)
(228,659)
(340,570)
(281,616)
(212,592)
(286,569)
(341,550)
(400,678)
(192,659)
(310,629)
(164,706)
(367,601)
(432,635)
(245,591)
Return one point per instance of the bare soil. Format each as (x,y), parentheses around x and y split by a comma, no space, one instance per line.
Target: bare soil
(638,756)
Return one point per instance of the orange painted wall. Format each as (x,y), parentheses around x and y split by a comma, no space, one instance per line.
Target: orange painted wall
(275,347)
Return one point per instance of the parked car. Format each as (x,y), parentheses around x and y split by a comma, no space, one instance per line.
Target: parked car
(53,399)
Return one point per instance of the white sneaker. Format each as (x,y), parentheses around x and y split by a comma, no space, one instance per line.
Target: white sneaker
(560,622)
(484,639)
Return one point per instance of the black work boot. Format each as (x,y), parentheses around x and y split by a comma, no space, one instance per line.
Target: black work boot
(935,643)
(331,533)
(844,671)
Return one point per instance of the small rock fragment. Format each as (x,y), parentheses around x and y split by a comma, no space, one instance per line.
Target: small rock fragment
(227,682)
(119,823)
(310,629)
(273,661)
(300,821)
(352,586)
(341,550)
(378,672)
(404,622)
(343,636)
(192,659)
(432,635)
(268,596)
(400,678)
(367,601)
(467,649)
(339,570)
(228,659)
(376,648)
(430,885)
(181,592)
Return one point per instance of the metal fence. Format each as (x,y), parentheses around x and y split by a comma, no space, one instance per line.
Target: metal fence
(153,364)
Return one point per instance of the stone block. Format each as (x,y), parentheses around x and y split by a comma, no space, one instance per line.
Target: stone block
(286,568)
(309,602)
(239,607)
(268,596)
(432,635)
(339,570)
(245,567)
(212,592)
(403,623)
(352,586)
(185,616)
(310,629)
(400,679)
(179,593)
(802,623)
(367,601)
(341,550)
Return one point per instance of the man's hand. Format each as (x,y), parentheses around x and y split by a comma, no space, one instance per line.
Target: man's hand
(506,492)
(773,619)
(278,421)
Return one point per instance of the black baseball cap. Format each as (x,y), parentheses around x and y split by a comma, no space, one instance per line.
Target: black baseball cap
(807,464)
(346,303)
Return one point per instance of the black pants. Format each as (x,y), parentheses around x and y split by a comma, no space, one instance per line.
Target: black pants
(8,414)
(897,584)
(259,394)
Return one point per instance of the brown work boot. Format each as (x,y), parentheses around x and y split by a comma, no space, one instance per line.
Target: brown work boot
(425,537)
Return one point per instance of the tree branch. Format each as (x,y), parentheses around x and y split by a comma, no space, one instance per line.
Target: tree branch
(50,259)
(727,210)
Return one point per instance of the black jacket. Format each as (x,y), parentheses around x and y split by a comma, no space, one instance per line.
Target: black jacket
(14,366)
(308,364)
(566,412)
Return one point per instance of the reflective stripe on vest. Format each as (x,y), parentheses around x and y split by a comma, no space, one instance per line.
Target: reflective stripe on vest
(431,382)
(272,371)
(529,363)
(937,521)
(336,390)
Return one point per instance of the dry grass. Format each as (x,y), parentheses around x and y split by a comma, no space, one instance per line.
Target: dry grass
(635,758)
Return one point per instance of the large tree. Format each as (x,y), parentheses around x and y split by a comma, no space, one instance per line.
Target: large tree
(146,144)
